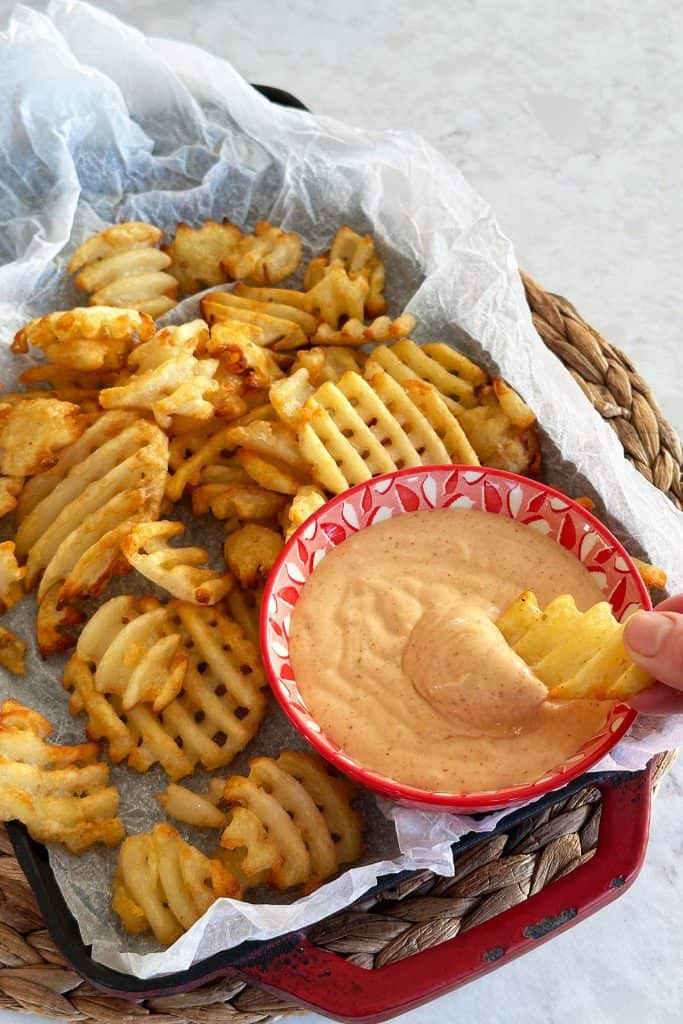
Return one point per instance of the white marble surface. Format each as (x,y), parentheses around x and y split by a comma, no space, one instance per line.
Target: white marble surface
(568,117)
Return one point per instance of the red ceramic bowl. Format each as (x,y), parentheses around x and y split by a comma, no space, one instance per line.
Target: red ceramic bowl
(409,490)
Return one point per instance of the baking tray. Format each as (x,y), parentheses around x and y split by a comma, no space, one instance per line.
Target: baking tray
(293,967)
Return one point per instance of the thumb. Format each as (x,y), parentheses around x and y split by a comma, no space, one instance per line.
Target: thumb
(654,641)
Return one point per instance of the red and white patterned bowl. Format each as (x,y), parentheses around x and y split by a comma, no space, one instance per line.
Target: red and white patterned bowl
(409,490)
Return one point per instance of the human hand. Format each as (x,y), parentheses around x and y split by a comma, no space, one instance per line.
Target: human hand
(654,641)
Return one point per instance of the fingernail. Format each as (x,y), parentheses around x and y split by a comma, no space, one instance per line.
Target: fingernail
(646,632)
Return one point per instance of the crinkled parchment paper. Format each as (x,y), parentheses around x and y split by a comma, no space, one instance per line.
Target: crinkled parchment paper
(99,124)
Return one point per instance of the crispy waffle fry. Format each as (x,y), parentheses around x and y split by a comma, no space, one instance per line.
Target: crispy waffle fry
(54,622)
(406,361)
(186,339)
(33,430)
(272,330)
(86,338)
(11,575)
(357,255)
(289,395)
(242,356)
(334,297)
(356,333)
(270,454)
(59,793)
(327,363)
(69,385)
(244,604)
(654,578)
(163,884)
(216,713)
(497,440)
(306,501)
(12,650)
(576,654)
(356,429)
(72,534)
(235,300)
(196,254)
(178,386)
(122,266)
(250,553)
(177,570)
(193,808)
(243,502)
(292,819)
(134,651)
(266,257)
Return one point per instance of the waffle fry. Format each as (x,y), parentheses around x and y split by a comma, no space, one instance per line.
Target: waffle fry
(250,553)
(266,257)
(335,295)
(576,654)
(497,441)
(89,338)
(33,430)
(244,604)
(306,501)
(357,255)
(12,651)
(270,455)
(186,339)
(356,429)
(134,652)
(179,386)
(94,494)
(275,331)
(196,254)
(216,713)
(241,502)
(243,357)
(291,821)
(163,884)
(11,575)
(326,363)
(78,387)
(193,808)
(10,489)
(54,621)
(59,793)
(235,300)
(177,570)
(406,361)
(122,266)
(356,333)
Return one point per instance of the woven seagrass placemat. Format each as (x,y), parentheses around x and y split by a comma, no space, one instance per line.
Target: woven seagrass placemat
(491,876)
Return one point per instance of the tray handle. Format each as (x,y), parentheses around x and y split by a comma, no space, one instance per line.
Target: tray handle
(325,982)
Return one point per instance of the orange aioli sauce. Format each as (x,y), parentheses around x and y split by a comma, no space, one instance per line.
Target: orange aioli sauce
(396,655)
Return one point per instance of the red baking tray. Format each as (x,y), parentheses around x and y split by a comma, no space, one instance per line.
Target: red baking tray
(294,968)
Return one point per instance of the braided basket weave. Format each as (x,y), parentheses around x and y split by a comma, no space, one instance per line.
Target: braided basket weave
(492,876)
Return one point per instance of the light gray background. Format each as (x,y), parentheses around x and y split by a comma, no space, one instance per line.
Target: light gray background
(568,117)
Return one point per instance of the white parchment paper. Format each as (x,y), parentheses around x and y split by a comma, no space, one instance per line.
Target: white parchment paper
(99,123)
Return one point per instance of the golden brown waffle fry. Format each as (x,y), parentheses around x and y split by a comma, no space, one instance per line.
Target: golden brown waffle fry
(12,650)
(327,363)
(270,455)
(243,502)
(163,884)
(192,808)
(33,430)
(272,330)
(356,429)
(197,253)
(10,489)
(334,297)
(69,385)
(576,654)
(53,622)
(357,255)
(215,715)
(86,338)
(497,440)
(122,266)
(266,257)
(180,571)
(11,575)
(250,553)
(654,578)
(356,333)
(171,380)
(134,651)
(236,301)
(242,356)
(406,361)
(292,819)
(307,500)
(59,793)
(70,532)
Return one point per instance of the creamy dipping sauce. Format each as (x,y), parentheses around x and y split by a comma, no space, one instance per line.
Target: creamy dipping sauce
(396,655)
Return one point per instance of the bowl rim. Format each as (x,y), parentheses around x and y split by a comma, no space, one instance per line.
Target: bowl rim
(384,784)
